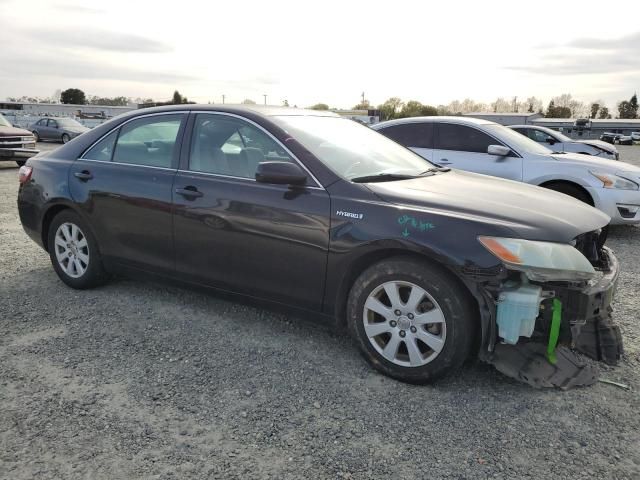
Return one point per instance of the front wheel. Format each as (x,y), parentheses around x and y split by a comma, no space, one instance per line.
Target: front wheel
(412,321)
(36,136)
(74,252)
(21,162)
(65,138)
(572,191)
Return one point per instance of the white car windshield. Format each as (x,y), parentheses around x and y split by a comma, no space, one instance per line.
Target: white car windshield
(352,150)
(4,122)
(515,140)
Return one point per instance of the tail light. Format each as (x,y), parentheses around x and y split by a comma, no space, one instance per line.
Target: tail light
(24,174)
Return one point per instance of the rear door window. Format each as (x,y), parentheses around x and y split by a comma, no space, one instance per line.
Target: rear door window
(462,138)
(149,141)
(416,135)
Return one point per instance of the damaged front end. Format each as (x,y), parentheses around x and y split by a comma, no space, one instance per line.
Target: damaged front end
(551,301)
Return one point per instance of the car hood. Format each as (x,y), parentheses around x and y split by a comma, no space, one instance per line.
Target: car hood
(599,144)
(530,212)
(13,131)
(596,163)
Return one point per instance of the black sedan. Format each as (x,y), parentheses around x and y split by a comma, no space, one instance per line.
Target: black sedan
(424,265)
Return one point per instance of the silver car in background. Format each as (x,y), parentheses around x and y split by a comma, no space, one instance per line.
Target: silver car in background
(60,129)
(485,147)
(558,142)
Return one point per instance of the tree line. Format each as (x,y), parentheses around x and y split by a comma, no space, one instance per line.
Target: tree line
(562,106)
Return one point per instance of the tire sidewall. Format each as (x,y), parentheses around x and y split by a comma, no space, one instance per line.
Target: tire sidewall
(94,275)
(452,300)
(68,138)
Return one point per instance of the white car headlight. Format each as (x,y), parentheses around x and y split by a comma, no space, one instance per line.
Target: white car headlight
(540,261)
(609,180)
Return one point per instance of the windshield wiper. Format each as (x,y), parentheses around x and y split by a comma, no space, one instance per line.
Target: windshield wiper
(383,177)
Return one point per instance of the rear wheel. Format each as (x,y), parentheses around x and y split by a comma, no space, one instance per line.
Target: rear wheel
(74,252)
(65,138)
(21,162)
(572,191)
(411,320)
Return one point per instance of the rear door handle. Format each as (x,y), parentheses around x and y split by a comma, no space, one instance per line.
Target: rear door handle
(189,192)
(83,175)
(444,161)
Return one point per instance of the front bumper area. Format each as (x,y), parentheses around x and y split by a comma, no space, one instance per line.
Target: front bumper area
(588,311)
(618,204)
(585,326)
(11,153)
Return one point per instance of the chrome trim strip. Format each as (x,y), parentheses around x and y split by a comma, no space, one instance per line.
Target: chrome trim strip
(128,164)
(318,184)
(232,177)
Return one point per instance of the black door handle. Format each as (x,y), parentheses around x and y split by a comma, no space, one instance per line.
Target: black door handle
(189,192)
(83,175)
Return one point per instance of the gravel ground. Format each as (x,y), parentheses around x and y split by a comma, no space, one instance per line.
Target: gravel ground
(138,380)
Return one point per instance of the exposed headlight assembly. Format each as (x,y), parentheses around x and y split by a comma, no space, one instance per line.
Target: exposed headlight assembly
(609,180)
(540,261)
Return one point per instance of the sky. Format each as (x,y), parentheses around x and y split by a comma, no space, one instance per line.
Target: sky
(326,51)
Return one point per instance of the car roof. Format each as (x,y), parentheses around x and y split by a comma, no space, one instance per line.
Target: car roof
(434,119)
(262,110)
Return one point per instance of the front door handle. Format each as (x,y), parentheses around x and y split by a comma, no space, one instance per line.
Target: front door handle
(83,175)
(189,192)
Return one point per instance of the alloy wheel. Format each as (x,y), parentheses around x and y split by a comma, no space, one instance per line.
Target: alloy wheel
(72,250)
(404,323)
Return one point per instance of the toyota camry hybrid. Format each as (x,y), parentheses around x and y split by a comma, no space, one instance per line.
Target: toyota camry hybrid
(426,266)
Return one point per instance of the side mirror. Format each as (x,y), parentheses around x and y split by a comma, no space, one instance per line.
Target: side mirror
(280,173)
(498,150)
(551,140)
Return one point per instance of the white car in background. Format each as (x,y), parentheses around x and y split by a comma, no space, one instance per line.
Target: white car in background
(488,148)
(558,142)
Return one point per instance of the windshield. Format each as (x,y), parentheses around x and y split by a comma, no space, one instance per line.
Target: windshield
(555,134)
(68,122)
(4,122)
(515,140)
(352,150)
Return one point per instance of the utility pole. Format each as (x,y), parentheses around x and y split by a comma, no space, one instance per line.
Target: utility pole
(265,98)
(223,95)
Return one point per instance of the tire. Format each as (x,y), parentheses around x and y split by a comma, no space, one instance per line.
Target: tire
(449,320)
(572,191)
(82,247)
(37,137)
(21,162)
(65,138)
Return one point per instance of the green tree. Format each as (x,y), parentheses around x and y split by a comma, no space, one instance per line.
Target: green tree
(285,103)
(363,105)
(557,112)
(604,113)
(413,108)
(629,109)
(391,108)
(595,107)
(319,106)
(248,101)
(73,96)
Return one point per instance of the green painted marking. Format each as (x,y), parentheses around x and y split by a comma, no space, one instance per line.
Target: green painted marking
(556,319)
(410,222)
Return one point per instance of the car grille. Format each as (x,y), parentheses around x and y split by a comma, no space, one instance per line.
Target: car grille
(590,245)
(16,142)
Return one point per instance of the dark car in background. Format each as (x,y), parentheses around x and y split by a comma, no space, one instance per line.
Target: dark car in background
(59,129)
(424,265)
(16,144)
